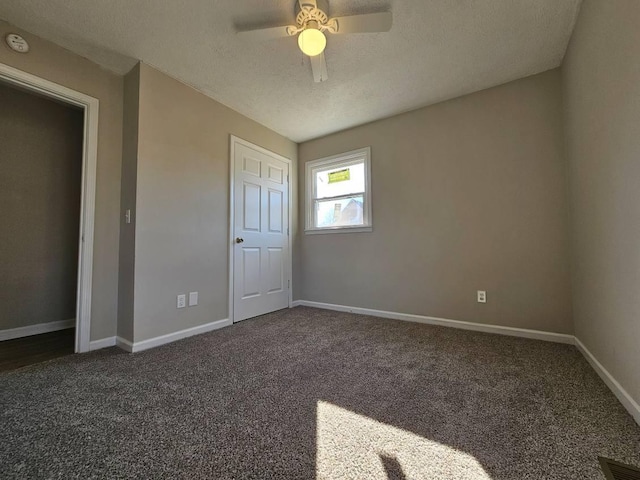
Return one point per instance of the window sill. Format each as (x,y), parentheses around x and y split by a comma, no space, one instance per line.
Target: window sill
(322,231)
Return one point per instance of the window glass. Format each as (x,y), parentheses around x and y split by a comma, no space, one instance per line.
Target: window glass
(340,181)
(340,213)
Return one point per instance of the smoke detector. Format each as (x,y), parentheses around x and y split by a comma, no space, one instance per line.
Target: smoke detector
(17,43)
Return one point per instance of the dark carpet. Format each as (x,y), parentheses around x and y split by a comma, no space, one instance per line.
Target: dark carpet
(307,393)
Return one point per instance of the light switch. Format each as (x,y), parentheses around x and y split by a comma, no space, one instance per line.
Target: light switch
(193,299)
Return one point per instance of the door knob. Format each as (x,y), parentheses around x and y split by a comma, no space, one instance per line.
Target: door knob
(239,240)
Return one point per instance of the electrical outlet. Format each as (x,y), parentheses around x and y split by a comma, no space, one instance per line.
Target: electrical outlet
(482,296)
(193,299)
(182,301)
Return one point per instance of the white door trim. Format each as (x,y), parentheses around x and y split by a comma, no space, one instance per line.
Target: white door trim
(88,194)
(233,140)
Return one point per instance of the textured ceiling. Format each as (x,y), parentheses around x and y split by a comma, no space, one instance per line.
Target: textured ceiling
(436,50)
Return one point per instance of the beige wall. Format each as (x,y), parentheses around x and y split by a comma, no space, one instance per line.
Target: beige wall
(602,98)
(41,161)
(56,64)
(182,217)
(468,195)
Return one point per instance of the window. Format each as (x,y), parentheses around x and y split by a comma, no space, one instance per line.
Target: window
(338,193)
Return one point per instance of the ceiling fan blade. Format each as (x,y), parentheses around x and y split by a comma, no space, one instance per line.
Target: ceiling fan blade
(307,3)
(268,33)
(367,23)
(319,68)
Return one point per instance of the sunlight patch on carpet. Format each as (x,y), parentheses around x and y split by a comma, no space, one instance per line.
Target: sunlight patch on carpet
(350,445)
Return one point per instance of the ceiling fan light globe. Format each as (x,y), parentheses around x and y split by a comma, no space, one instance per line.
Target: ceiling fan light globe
(312,42)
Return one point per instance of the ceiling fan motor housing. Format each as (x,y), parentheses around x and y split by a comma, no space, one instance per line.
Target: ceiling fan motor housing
(308,12)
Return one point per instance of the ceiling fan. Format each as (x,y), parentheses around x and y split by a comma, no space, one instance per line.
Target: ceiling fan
(312,22)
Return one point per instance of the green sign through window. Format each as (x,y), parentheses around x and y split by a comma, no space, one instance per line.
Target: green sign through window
(339,176)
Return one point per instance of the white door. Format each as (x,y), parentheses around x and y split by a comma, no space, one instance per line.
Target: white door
(260,240)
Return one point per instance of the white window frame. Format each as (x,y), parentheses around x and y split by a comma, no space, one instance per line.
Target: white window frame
(337,161)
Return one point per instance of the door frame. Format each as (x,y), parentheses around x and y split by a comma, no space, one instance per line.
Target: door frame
(90,107)
(233,140)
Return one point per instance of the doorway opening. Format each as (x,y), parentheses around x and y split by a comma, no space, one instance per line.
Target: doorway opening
(48,135)
(40,191)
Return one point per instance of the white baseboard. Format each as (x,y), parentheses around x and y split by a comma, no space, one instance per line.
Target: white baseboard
(445,322)
(134,347)
(124,344)
(627,401)
(102,343)
(37,329)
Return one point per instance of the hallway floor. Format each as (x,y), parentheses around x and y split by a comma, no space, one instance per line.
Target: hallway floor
(20,352)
